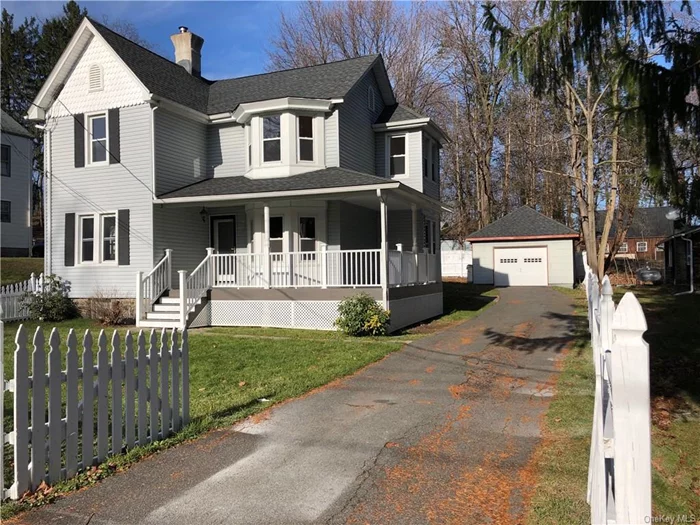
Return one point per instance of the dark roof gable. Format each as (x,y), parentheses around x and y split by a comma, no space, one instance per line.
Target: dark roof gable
(10,125)
(646,223)
(166,79)
(523,222)
(397,113)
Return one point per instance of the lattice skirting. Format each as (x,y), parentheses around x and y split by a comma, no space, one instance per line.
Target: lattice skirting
(412,310)
(315,315)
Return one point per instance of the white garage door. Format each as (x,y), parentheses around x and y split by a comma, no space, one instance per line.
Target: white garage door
(520,266)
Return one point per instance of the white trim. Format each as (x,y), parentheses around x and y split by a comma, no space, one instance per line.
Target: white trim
(89,138)
(97,238)
(264,162)
(79,234)
(388,137)
(244,112)
(646,247)
(621,250)
(299,138)
(432,128)
(401,124)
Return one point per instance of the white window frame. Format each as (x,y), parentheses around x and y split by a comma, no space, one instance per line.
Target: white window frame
(102,217)
(89,117)
(646,247)
(312,139)
(97,239)
(405,174)
(249,145)
(623,248)
(263,140)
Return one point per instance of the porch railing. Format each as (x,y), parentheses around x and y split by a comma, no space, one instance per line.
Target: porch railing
(407,268)
(195,285)
(153,285)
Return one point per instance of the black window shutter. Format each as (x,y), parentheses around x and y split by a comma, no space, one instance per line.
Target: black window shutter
(69,232)
(123,222)
(114,156)
(79,140)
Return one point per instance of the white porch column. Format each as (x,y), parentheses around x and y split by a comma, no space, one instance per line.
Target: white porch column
(266,245)
(183,298)
(384,256)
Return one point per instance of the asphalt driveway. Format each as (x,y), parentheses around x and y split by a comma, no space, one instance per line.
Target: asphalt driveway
(441,432)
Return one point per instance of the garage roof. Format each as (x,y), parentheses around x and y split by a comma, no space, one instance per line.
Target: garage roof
(523,224)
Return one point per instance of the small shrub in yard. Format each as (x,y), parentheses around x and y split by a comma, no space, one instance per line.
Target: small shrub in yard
(53,303)
(108,309)
(362,315)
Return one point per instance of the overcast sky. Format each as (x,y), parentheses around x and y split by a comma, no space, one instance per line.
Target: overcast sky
(236,34)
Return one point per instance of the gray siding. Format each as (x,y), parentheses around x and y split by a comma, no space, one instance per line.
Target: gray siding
(414,162)
(17,234)
(355,126)
(180,151)
(333,225)
(104,189)
(226,150)
(183,231)
(331,139)
(359,227)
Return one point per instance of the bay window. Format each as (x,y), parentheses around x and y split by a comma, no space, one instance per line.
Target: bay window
(97,138)
(305,129)
(272,139)
(397,155)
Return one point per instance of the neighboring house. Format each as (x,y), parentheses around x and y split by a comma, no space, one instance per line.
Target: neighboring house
(15,189)
(644,237)
(309,185)
(524,248)
(682,251)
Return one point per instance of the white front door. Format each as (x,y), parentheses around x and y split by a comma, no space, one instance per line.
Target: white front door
(520,266)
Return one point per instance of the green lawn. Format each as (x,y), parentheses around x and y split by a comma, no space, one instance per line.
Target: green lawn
(232,369)
(16,269)
(674,339)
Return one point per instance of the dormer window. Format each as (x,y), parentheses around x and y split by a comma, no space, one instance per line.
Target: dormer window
(397,155)
(305,127)
(272,139)
(95,78)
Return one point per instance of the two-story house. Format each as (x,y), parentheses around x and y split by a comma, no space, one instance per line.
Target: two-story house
(258,201)
(15,189)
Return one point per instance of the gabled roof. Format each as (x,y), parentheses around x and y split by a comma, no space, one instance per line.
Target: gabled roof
(398,113)
(10,125)
(646,223)
(523,223)
(167,80)
(314,180)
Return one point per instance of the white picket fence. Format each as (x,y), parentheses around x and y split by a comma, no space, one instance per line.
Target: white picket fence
(619,470)
(131,395)
(11,298)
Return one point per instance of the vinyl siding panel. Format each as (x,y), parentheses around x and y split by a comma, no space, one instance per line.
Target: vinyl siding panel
(333,217)
(355,127)
(359,227)
(226,154)
(181,151)
(331,139)
(17,234)
(560,260)
(107,188)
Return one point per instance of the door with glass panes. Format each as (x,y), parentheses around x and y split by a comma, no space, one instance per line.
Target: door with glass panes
(308,268)
(224,241)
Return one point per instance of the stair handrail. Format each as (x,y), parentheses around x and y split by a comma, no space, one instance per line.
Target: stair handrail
(153,285)
(195,285)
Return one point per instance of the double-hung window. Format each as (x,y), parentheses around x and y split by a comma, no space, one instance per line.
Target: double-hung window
(641,246)
(276,234)
(87,239)
(397,155)
(307,236)
(622,248)
(306,138)
(6,161)
(97,138)
(6,211)
(272,139)
(109,237)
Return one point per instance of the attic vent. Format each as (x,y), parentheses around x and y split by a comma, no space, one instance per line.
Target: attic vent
(95,78)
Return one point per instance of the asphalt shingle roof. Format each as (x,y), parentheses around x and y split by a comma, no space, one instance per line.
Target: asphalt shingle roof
(397,113)
(319,179)
(10,125)
(523,222)
(167,79)
(646,222)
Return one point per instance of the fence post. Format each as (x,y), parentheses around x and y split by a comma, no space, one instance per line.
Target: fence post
(607,310)
(38,415)
(185,357)
(21,419)
(632,418)
(71,404)
(183,297)
(138,303)
(324,266)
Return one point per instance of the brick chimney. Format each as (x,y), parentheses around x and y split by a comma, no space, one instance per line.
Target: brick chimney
(188,50)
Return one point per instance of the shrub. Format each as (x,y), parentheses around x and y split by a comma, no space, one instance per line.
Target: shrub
(52,303)
(108,309)
(362,315)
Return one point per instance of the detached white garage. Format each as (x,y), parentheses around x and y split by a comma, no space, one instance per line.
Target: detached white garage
(524,248)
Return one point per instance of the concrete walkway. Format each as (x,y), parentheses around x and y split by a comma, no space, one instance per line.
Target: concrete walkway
(441,432)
